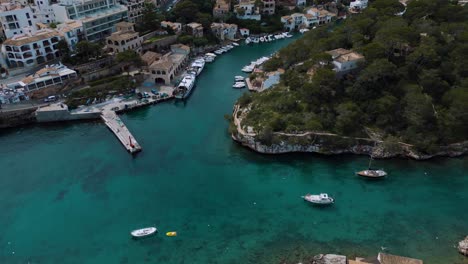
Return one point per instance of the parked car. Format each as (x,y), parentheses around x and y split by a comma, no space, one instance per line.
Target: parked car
(51,98)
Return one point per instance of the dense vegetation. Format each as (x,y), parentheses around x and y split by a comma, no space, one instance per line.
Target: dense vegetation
(412,86)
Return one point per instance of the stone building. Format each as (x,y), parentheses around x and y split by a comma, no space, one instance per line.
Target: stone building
(168,66)
(126,38)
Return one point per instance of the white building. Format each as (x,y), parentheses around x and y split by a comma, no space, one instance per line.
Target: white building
(313,17)
(98,16)
(175,26)
(345,60)
(224,31)
(72,32)
(43,11)
(135,9)
(48,76)
(28,50)
(246,9)
(16,19)
(358,4)
(244,32)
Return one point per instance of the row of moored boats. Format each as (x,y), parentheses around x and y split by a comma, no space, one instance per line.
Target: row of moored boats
(267,38)
(253,64)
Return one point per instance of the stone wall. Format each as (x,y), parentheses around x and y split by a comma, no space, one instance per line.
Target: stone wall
(17,117)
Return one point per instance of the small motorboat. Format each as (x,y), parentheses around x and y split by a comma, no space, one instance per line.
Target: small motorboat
(219,52)
(248,69)
(262,39)
(239,78)
(322,198)
(171,234)
(239,85)
(235,44)
(248,40)
(370,173)
(148,231)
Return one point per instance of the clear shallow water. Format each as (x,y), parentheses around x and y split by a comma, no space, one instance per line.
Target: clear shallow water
(71,194)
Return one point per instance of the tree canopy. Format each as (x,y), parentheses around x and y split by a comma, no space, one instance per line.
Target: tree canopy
(412,86)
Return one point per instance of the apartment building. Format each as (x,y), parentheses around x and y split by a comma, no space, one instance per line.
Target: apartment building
(194,29)
(135,9)
(16,19)
(98,16)
(28,50)
(224,31)
(268,7)
(246,9)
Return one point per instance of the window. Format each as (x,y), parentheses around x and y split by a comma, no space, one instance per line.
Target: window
(29,22)
(27,15)
(48,82)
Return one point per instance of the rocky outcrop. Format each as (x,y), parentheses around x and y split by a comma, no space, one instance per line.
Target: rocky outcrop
(329,259)
(463,246)
(329,143)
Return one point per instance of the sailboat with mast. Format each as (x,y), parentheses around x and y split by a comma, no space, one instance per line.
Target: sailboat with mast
(372,173)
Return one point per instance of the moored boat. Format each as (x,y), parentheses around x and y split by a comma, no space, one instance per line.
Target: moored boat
(239,78)
(239,85)
(248,69)
(235,44)
(148,231)
(370,173)
(185,86)
(198,65)
(322,198)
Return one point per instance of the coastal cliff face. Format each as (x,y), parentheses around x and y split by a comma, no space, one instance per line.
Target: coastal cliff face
(329,144)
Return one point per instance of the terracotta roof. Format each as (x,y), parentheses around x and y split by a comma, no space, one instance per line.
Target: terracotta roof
(393,259)
(149,57)
(25,39)
(194,25)
(337,52)
(122,35)
(163,64)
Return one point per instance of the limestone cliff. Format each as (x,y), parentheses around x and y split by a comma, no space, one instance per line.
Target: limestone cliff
(329,143)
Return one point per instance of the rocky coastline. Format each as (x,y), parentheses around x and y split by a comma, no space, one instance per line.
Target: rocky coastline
(463,246)
(331,144)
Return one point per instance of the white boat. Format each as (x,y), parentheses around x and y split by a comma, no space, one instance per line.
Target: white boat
(185,86)
(262,39)
(287,35)
(208,59)
(210,54)
(198,65)
(303,30)
(372,173)
(248,69)
(219,52)
(255,40)
(239,78)
(229,46)
(148,231)
(322,198)
(271,38)
(277,36)
(239,85)
(235,44)
(248,40)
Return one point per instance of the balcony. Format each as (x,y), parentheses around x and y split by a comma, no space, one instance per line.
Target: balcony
(46,43)
(25,48)
(27,55)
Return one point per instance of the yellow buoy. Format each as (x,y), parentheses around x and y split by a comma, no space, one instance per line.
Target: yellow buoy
(171,234)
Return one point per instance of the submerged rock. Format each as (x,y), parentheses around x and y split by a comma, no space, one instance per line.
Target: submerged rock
(329,259)
(463,246)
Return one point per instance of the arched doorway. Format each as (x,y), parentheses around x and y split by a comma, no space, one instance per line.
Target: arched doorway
(159,81)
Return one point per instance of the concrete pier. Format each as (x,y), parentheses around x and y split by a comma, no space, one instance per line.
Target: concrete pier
(115,124)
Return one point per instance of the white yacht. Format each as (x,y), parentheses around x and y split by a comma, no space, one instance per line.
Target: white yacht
(303,30)
(322,198)
(235,44)
(148,231)
(218,52)
(198,65)
(255,40)
(185,86)
(248,40)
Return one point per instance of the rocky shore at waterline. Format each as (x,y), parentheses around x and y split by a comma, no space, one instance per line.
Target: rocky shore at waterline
(330,144)
(463,246)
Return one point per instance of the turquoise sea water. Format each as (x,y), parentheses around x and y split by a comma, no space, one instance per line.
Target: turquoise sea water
(70,193)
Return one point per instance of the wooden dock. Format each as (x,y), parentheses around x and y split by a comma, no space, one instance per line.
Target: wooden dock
(115,124)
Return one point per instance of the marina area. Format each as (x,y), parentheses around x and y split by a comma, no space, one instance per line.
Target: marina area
(81,196)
